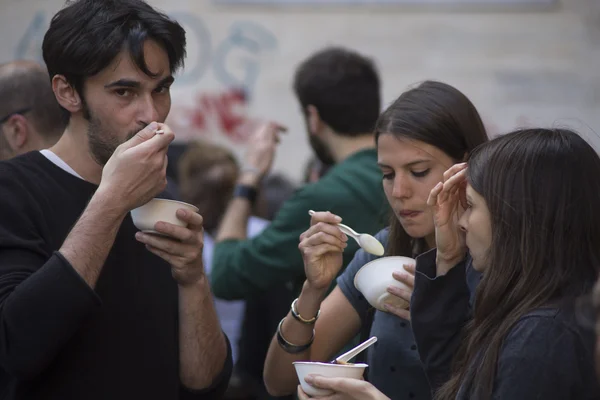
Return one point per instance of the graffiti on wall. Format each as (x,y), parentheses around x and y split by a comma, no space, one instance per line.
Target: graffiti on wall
(224,112)
(30,45)
(235,60)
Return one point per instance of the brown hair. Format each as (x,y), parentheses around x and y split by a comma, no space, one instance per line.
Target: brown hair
(207,175)
(25,85)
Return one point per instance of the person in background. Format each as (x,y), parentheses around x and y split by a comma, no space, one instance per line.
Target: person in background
(264,311)
(207,174)
(30,117)
(275,190)
(176,149)
(91,308)
(339,92)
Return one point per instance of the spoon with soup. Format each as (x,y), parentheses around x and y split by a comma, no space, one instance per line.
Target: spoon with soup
(368,242)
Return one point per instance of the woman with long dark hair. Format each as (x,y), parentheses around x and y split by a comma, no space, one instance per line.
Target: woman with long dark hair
(425,131)
(531,223)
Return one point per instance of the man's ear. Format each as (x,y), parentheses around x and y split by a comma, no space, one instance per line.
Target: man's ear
(66,94)
(17,132)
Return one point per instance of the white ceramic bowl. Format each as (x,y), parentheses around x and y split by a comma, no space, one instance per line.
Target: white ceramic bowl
(304,368)
(146,216)
(373,279)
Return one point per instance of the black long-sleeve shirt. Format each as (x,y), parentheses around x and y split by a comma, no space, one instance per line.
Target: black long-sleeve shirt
(545,356)
(59,339)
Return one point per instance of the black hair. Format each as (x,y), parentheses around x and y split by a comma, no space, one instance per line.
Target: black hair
(87,35)
(343,86)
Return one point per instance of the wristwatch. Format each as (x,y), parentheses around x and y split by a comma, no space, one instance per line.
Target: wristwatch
(246,192)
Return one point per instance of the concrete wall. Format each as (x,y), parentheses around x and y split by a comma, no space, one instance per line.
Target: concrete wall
(519,68)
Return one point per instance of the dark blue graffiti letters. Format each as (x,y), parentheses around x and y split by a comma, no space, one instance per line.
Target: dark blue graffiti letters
(242,50)
(30,45)
(199,41)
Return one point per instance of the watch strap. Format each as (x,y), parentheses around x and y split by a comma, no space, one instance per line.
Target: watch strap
(246,192)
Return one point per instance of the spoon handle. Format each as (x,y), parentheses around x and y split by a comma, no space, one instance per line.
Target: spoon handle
(350,354)
(344,228)
(348,231)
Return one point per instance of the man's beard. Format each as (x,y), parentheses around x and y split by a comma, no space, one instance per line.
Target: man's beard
(102,143)
(321,150)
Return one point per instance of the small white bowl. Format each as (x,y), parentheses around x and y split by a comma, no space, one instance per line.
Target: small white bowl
(373,279)
(305,368)
(146,216)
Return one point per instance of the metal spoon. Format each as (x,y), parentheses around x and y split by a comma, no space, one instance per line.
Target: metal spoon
(369,243)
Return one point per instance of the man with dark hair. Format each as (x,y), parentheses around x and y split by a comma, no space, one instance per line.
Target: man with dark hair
(339,89)
(30,117)
(89,307)
(339,93)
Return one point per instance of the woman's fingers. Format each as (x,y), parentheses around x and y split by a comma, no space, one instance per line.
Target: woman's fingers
(453,170)
(432,200)
(324,216)
(455,180)
(404,277)
(324,227)
(323,238)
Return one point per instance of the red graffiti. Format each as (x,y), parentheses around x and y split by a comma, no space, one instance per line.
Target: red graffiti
(227,110)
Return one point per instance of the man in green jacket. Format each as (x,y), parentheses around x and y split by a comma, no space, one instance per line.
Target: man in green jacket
(339,93)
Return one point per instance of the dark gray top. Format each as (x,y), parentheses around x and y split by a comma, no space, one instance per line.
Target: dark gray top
(394,365)
(545,356)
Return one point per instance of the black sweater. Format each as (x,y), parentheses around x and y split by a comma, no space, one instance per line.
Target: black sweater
(545,356)
(59,339)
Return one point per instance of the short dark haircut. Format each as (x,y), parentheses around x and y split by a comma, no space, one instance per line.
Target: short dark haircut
(343,86)
(25,86)
(87,35)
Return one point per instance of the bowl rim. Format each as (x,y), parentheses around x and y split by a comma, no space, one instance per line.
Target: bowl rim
(359,365)
(172,201)
(373,262)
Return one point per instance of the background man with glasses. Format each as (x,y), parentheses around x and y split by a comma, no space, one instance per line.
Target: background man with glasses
(30,117)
